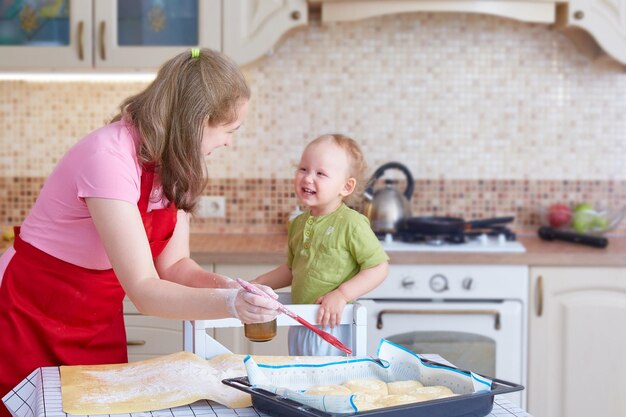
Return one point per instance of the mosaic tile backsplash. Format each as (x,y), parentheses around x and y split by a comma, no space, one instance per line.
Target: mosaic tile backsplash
(493,117)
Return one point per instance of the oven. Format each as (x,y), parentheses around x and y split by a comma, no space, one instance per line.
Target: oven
(474,316)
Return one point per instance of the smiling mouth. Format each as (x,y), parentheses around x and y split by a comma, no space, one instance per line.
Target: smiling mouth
(308,191)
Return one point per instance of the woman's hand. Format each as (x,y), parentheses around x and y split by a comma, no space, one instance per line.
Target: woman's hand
(251,308)
(331,307)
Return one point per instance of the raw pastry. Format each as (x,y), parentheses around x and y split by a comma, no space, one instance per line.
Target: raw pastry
(396,399)
(365,401)
(373,386)
(403,387)
(328,390)
(434,391)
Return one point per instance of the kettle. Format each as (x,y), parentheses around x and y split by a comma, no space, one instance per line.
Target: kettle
(386,207)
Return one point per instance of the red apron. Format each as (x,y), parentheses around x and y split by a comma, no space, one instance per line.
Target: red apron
(56,313)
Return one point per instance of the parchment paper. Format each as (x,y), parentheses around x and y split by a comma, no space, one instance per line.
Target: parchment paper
(164,382)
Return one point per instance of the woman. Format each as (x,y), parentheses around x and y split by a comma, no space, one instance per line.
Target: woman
(113,219)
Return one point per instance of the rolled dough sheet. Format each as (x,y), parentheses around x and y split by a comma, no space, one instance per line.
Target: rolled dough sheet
(154,384)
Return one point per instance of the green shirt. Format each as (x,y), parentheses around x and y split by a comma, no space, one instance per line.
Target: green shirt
(326,251)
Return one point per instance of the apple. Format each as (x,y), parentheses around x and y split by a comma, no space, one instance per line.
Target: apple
(559,215)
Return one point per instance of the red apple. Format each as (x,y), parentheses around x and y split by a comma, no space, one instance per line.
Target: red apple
(559,215)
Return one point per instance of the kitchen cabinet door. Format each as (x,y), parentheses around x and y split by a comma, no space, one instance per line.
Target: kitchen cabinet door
(577,342)
(46,34)
(233,338)
(143,34)
(64,35)
(252,27)
(148,337)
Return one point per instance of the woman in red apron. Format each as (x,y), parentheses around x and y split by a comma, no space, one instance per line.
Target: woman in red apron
(61,294)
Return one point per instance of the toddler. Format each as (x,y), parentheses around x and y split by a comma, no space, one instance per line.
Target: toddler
(334,256)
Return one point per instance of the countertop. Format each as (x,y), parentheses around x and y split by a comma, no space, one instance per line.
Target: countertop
(272,249)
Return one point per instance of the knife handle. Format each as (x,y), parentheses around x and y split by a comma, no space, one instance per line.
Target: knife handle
(549,233)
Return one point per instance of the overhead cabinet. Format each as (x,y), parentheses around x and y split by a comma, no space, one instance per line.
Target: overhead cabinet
(597,27)
(138,34)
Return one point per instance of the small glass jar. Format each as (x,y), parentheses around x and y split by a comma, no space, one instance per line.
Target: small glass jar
(260,332)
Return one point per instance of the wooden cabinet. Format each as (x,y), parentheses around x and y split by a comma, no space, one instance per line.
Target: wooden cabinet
(577,342)
(138,35)
(148,337)
(597,27)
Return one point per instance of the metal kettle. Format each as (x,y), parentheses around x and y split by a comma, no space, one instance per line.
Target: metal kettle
(388,206)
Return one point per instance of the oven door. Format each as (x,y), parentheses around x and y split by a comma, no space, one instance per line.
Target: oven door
(481,336)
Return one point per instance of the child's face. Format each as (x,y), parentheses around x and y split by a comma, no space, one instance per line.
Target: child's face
(222,135)
(323,178)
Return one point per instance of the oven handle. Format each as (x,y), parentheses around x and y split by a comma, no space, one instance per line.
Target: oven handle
(494,313)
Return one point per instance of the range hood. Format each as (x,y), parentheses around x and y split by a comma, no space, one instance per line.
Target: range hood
(538,11)
(596,27)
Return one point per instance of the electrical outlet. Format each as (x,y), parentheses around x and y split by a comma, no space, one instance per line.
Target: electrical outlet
(212,206)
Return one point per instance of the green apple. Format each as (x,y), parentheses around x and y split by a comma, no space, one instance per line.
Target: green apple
(583,220)
(583,207)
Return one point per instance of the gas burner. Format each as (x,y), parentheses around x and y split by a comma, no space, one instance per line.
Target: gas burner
(490,238)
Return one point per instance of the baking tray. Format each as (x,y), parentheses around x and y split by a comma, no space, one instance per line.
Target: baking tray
(477,404)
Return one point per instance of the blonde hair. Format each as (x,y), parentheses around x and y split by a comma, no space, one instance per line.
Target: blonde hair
(357,165)
(172,111)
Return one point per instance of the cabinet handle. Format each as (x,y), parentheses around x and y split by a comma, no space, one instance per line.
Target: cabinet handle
(295,15)
(81,32)
(539,300)
(494,313)
(103,55)
(579,15)
(135,342)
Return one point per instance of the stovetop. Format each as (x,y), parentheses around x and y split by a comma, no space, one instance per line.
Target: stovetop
(481,243)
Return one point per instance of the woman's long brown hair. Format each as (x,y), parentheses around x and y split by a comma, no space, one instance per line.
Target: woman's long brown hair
(172,111)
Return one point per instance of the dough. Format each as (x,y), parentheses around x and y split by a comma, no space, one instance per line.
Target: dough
(328,390)
(366,401)
(403,387)
(396,399)
(436,391)
(370,386)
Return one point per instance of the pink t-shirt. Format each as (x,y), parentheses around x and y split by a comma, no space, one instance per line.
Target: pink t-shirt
(103,164)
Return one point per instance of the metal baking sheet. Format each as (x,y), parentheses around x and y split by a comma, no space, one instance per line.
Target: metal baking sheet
(477,404)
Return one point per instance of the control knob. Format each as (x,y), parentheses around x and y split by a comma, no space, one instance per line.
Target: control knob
(467,283)
(438,283)
(408,283)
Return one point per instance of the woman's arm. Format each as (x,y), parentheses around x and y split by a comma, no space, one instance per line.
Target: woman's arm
(174,263)
(124,238)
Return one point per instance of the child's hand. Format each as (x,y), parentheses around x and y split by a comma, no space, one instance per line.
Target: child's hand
(331,307)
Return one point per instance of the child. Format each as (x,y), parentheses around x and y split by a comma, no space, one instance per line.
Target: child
(113,219)
(334,256)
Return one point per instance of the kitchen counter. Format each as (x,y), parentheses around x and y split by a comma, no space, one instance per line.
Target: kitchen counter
(272,249)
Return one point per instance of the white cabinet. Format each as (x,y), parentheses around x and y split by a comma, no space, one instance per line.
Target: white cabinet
(577,342)
(597,27)
(253,27)
(138,35)
(148,337)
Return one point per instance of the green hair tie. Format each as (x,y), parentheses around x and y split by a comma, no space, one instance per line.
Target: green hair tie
(195,52)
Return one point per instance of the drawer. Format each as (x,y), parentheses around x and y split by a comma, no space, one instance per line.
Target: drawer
(149,337)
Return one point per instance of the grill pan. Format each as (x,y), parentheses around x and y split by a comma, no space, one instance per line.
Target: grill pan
(477,404)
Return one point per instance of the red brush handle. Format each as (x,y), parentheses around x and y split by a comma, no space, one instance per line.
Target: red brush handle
(326,336)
